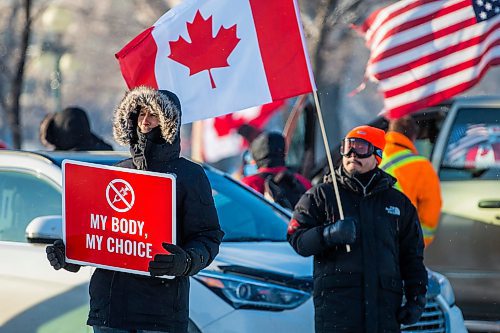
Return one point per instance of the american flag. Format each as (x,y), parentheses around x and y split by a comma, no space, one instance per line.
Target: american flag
(426,51)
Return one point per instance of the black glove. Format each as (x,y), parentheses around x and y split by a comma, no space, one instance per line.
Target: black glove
(341,232)
(410,313)
(177,263)
(132,121)
(56,257)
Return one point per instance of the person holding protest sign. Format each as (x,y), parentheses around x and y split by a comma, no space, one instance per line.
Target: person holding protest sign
(360,289)
(149,122)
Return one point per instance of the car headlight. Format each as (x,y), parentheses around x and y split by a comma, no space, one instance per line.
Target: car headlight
(243,292)
(446,288)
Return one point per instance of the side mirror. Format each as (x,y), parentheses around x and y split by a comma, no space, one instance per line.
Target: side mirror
(44,229)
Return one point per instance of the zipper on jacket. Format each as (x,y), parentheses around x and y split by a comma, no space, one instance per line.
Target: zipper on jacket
(368,184)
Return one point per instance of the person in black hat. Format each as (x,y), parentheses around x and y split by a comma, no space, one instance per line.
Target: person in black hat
(70,130)
(273,179)
(148,121)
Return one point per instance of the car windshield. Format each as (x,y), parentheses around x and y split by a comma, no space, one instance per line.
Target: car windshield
(245,217)
(473,148)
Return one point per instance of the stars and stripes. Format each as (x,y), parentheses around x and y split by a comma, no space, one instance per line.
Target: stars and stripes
(426,51)
(486,9)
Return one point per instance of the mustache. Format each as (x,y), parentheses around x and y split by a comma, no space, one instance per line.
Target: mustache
(355,162)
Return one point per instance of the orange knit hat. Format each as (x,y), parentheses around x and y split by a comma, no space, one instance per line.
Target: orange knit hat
(371,134)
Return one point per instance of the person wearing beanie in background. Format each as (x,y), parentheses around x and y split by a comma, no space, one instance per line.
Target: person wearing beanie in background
(148,121)
(415,175)
(361,289)
(70,130)
(273,179)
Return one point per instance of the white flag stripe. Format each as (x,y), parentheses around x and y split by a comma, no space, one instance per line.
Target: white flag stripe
(421,30)
(416,53)
(244,61)
(430,68)
(215,147)
(440,85)
(382,16)
(180,10)
(421,57)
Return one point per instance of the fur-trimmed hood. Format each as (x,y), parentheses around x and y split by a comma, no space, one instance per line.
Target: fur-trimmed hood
(165,103)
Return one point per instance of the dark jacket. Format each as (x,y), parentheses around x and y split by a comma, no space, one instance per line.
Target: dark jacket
(70,130)
(268,152)
(257,181)
(361,290)
(128,301)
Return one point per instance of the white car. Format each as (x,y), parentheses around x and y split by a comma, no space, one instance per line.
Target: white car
(256,284)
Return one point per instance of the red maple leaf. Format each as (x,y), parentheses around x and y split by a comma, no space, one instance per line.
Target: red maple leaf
(204,52)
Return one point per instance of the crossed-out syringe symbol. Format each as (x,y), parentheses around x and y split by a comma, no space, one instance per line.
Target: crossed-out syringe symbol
(123,191)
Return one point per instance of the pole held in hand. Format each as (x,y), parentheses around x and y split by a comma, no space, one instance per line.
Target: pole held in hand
(330,161)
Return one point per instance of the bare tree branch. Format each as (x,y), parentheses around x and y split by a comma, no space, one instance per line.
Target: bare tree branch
(14,110)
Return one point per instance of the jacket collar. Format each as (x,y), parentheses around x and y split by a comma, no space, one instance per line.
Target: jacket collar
(151,154)
(381,181)
(396,141)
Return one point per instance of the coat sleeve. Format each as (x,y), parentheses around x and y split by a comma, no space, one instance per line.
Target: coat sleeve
(429,202)
(305,230)
(202,234)
(411,253)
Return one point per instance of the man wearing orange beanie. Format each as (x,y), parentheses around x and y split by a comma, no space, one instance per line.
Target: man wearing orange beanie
(361,290)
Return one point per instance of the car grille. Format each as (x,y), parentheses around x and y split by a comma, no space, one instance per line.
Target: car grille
(432,320)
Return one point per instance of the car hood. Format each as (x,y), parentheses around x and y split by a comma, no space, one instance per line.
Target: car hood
(275,261)
(276,257)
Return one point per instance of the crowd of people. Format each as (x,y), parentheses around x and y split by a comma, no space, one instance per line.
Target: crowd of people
(367,247)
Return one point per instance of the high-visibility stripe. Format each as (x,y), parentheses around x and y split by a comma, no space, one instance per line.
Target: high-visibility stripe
(428,231)
(388,161)
(428,240)
(391,163)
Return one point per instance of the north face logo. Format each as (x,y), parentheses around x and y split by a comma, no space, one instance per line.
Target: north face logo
(393,210)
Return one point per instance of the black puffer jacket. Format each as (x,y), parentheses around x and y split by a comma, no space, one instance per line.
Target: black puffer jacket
(361,290)
(128,301)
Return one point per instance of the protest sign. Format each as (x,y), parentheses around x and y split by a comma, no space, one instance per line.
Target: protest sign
(116,218)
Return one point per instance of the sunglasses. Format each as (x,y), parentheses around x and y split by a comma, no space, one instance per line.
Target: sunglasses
(360,147)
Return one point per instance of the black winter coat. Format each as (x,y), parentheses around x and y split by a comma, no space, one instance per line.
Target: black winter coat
(361,290)
(129,301)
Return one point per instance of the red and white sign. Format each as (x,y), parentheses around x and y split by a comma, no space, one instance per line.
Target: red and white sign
(116,218)
(222,56)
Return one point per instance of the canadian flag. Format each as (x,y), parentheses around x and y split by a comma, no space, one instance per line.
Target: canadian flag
(221,56)
(220,136)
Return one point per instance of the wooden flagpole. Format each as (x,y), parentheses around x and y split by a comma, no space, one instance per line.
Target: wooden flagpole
(330,161)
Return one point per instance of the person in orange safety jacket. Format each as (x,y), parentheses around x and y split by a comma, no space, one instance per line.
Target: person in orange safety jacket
(415,175)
